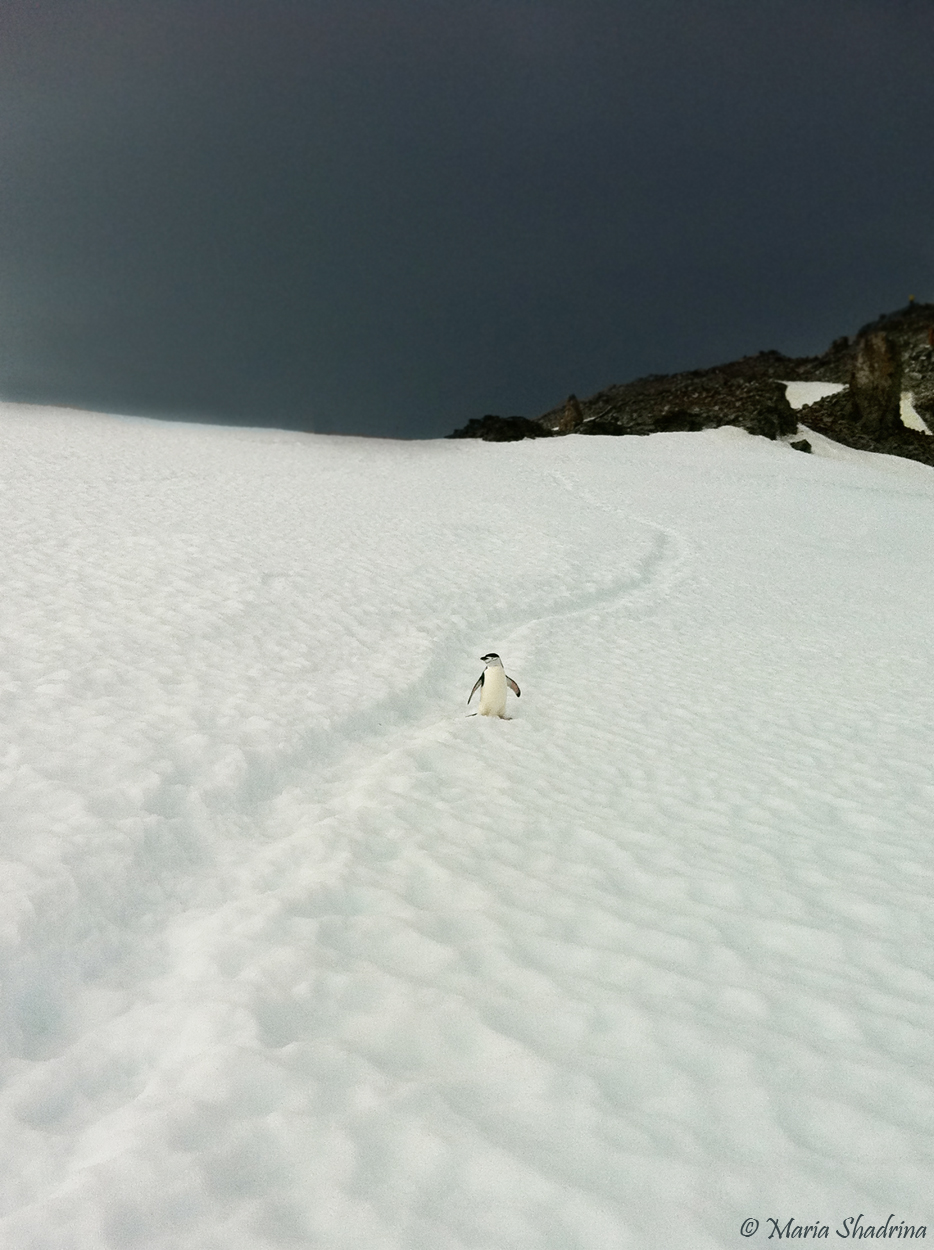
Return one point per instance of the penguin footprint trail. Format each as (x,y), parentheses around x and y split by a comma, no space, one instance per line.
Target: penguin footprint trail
(492,684)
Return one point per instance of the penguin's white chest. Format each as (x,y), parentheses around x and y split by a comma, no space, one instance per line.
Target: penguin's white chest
(493,692)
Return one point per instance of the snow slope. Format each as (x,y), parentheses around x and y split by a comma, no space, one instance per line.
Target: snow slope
(296,953)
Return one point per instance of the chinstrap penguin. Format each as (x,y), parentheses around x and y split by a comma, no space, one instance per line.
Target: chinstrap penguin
(492,684)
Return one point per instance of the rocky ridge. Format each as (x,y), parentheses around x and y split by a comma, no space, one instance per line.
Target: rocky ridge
(891,355)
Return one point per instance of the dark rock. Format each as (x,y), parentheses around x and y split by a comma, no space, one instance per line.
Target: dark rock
(572,416)
(801,445)
(749,393)
(501,429)
(876,385)
(909,328)
(835,417)
(679,419)
(687,401)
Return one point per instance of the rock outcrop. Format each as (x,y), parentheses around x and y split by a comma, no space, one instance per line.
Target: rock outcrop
(836,417)
(495,429)
(893,354)
(912,329)
(876,385)
(572,417)
(683,402)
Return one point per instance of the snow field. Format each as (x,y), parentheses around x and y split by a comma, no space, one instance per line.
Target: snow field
(297,953)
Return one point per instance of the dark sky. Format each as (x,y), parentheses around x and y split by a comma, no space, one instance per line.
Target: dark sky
(387,217)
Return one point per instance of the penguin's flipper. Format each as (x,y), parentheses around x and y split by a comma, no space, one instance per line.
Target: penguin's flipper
(476,686)
(513,687)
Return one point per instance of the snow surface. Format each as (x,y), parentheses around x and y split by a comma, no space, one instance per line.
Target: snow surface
(296,953)
(801,393)
(910,415)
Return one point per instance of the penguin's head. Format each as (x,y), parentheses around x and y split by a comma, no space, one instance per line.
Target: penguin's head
(492,658)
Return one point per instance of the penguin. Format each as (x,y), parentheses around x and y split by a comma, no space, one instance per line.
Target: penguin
(492,684)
